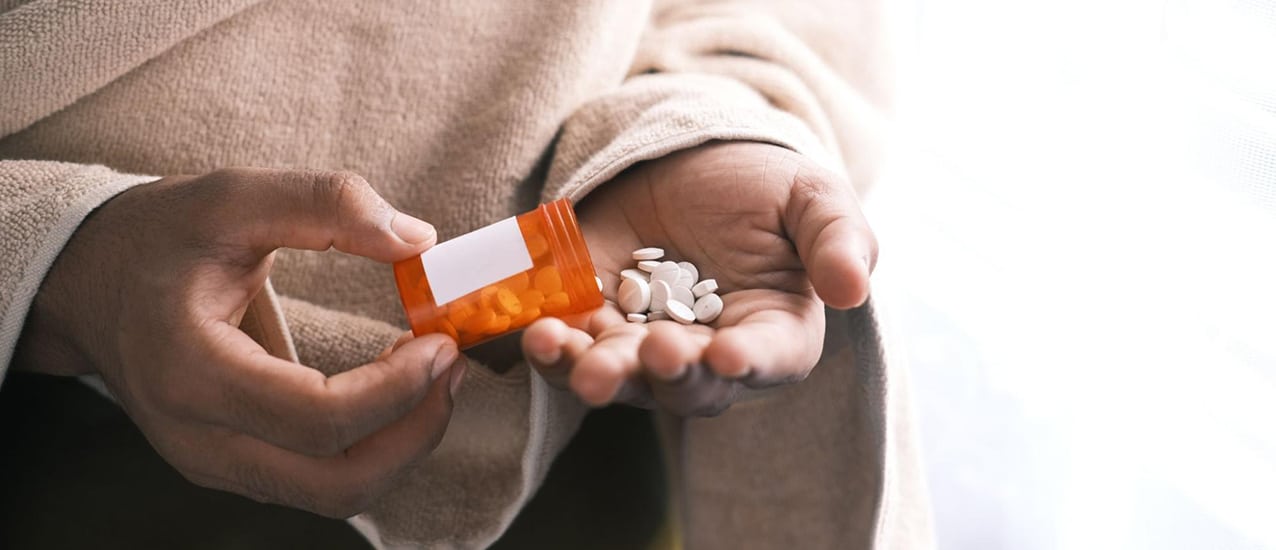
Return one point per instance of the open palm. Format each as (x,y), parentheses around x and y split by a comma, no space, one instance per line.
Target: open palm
(779,234)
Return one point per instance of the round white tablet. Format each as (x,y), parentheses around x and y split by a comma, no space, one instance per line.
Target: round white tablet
(667,272)
(685,279)
(660,293)
(683,294)
(648,265)
(679,312)
(649,253)
(636,318)
(635,274)
(704,287)
(707,308)
(690,267)
(634,296)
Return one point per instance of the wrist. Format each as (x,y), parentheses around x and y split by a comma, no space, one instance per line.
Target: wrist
(58,336)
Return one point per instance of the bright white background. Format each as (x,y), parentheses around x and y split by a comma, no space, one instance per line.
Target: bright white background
(1079,234)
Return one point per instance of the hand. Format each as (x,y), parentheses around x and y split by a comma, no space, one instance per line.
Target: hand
(149,291)
(782,237)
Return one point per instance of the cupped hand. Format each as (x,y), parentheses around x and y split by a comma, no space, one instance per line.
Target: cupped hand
(782,237)
(149,291)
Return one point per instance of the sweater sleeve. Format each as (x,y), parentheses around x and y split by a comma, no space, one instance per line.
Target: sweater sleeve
(41,205)
(772,72)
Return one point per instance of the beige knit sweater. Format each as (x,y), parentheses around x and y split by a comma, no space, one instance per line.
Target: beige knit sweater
(462,113)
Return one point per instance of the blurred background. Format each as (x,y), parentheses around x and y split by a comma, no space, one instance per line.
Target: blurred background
(1079,235)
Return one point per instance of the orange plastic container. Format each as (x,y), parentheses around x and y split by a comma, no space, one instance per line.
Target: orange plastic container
(500,278)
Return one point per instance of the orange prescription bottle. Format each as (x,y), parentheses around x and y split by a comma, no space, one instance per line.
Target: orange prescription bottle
(500,278)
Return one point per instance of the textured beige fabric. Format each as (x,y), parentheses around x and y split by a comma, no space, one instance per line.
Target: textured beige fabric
(460,113)
(843,475)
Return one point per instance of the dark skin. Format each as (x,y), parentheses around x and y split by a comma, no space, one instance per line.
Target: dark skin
(782,237)
(149,291)
(148,294)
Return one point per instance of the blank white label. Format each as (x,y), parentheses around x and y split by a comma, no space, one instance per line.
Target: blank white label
(476,259)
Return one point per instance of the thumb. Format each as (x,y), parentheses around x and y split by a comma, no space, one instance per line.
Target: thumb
(322,210)
(831,235)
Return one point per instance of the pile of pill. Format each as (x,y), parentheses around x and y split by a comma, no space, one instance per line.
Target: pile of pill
(658,290)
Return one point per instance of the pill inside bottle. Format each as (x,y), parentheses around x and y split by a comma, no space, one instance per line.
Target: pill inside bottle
(498,279)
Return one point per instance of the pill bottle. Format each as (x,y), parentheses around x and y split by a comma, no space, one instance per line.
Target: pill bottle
(500,278)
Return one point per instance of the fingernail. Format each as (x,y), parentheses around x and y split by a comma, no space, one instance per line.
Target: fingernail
(410,229)
(442,360)
(458,375)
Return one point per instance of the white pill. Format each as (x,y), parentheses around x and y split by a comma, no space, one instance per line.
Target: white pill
(679,312)
(651,253)
(634,296)
(600,283)
(695,273)
(667,272)
(660,293)
(648,265)
(635,274)
(707,308)
(704,287)
(683,294)
(636,318)
(685,279)
(657,316)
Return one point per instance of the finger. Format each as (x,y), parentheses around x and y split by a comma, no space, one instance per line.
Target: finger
(671,348)
(608,370)
(320,210)
(680,383)
(295,407)
(832,237)
(338,486)
(552,348)
(768,338)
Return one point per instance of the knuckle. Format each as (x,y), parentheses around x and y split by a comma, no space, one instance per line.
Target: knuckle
(347,199)
(337,189)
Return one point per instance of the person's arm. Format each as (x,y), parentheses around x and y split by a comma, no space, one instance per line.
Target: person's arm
(148,291)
